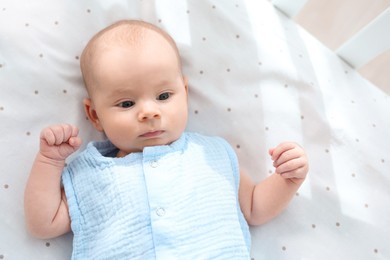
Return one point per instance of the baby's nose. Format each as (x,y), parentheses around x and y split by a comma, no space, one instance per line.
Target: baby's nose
(149,110)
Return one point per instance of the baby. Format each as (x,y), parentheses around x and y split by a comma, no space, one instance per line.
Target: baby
(151,190)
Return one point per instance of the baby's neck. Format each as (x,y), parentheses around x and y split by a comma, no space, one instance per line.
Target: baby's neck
(121,154)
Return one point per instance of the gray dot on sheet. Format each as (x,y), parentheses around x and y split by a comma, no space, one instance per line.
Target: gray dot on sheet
(238,146)
(213,6)
(36,92)
(327,188)
(302,117)
(383,160)
(204,38)
(47,244)
(353,175)
(40,55)
(28,133)
(228,70)
(237,36)
(284,248)
(27,24)
(229,109)
(1,65)
(201,72)
(77,57)
(196,112)
(1,256)
(1,108)
(375,251)
(338,224)
(313,226)
(56,22)
(6,186)
(286,85)
(266,128)
(65,91)
(88,10)
(188,11)
(366,205)
(297,194)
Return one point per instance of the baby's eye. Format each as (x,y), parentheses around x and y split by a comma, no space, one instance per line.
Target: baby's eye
(126,104)
(164,96)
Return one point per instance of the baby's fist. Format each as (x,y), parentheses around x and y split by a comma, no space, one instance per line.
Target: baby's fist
(290,161)
(59,141)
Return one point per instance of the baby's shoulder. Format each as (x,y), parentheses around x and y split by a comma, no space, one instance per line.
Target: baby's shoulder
(96,154)
(198,137)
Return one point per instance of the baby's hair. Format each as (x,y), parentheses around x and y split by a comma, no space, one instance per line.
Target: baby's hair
(124,32)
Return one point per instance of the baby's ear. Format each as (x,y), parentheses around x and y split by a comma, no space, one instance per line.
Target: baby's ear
(91,114)
(185,80)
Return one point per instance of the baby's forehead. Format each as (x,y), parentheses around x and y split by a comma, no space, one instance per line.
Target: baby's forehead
(130,36)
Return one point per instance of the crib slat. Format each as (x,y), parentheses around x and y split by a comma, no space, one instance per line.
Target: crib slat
(369,42)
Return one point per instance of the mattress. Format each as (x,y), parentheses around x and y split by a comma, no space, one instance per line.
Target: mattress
(255,78)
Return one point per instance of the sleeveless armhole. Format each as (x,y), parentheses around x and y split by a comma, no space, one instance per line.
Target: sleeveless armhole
(236,172)
(233,161)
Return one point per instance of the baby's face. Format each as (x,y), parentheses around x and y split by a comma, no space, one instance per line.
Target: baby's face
(140,95)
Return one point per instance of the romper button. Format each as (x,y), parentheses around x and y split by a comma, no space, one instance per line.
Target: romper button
(154,164)
(160,212)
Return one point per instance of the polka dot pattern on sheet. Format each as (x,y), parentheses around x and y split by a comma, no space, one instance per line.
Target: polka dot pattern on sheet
(255,78)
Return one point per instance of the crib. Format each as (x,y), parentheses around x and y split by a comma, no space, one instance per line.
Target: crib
(256,78)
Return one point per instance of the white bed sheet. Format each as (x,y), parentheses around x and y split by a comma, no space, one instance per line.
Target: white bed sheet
(256,78)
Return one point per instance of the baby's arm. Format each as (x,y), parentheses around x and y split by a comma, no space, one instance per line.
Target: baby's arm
(46,210)
(265,200)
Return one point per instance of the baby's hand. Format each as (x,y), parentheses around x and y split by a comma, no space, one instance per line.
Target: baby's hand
(59,141)
(290,161)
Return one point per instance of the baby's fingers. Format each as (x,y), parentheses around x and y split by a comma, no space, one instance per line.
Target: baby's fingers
(280,149)
(47,135)
(75,142)
(58,134)
(291,165)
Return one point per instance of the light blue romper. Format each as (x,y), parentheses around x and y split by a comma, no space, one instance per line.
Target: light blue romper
(177,201)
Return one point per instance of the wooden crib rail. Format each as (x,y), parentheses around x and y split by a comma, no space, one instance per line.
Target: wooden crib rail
(357,30)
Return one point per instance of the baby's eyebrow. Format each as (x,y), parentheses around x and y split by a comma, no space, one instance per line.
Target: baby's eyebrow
(164,82)
(125,91)
(168,81)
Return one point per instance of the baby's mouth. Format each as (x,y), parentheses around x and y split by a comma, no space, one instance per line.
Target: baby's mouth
(152,134)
